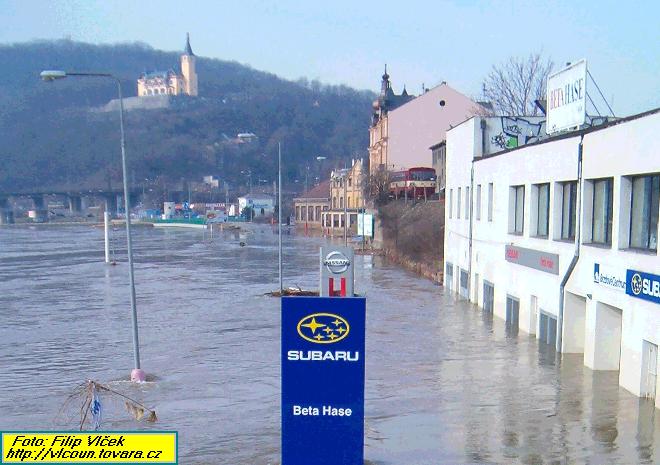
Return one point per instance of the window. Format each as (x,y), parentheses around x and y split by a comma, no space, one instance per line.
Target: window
(512,314)
(542,209)
(451,202)
(601,221)
(478,202)
(490,201)
(489,296)
(458,204)
(449,275)
(298,213)
(568,202)
(463,283)
(517,209)
(467,202)
(644,212)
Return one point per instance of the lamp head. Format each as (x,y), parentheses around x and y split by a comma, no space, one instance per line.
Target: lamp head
(51,75)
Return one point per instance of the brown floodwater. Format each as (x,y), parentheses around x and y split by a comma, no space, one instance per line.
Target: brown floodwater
(446,384)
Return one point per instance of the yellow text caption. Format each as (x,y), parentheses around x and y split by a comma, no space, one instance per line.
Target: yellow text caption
(73,447)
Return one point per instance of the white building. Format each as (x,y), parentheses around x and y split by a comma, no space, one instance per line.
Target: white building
(261,204)
(510,228)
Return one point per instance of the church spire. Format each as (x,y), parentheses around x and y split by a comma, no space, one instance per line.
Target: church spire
(188,50)
(385,84)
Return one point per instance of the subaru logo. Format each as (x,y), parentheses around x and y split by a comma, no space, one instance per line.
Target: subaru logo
(636,284)
(323,328)
(336,262)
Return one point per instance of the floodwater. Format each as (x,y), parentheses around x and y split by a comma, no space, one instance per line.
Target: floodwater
(445,383)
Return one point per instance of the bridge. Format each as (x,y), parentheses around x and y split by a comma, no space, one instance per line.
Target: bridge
(75,200)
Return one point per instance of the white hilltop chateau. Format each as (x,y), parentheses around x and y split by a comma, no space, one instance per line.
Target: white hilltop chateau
(169,82)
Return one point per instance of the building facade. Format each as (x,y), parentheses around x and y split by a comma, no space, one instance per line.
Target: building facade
(261,205)
(558,237)
(170,82)
(438,162)
(422,122)
(347,188)
(387,101)
(310,206)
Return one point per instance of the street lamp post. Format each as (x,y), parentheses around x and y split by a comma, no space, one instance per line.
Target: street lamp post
(137,374)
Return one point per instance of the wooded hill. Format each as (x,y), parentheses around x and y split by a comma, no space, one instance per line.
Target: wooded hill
(54,137)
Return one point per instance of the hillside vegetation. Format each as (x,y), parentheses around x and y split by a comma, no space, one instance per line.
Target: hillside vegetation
(53,138)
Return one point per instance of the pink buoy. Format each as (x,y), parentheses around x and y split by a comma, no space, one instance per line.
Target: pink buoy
(138,375)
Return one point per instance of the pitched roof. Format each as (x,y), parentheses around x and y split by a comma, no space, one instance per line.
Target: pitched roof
(321,191)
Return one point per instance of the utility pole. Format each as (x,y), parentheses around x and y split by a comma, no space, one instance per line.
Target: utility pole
(306,205)
(279,210)
(345,210)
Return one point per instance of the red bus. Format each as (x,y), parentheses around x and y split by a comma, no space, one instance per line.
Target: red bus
(414,183)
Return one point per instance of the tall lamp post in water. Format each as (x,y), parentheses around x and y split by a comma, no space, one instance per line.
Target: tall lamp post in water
(137,374)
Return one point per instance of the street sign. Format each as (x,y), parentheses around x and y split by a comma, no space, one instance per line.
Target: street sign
(365,225)
(323,380)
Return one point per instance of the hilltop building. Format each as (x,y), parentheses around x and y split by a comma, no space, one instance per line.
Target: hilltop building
(169,82)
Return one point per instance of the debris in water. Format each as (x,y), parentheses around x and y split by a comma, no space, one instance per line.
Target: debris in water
(292,292)
(93,398)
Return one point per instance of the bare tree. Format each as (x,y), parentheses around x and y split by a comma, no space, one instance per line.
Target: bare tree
(512,87)
(378,186)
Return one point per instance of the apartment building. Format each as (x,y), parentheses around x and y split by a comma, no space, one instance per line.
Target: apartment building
(559,237)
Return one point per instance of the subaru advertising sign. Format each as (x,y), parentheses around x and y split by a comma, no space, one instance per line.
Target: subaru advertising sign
(643,285)
(323,380)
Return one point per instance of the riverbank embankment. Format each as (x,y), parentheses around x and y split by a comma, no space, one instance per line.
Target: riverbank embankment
(413,236)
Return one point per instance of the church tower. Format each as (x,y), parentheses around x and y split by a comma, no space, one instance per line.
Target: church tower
(188,69)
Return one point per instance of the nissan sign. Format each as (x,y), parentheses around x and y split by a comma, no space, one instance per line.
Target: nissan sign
(336,271)
(336,262)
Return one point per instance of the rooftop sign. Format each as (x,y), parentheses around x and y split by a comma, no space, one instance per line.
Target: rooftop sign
(566,95)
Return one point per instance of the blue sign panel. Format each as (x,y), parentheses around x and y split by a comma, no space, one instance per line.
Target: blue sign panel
(643,285)
(323,380)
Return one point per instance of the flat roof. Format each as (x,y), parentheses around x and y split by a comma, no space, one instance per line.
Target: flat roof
(569,135)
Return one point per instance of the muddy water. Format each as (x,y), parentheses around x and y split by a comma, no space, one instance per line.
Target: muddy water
(445,383)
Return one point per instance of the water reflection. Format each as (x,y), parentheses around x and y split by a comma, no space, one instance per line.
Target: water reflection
(446,382)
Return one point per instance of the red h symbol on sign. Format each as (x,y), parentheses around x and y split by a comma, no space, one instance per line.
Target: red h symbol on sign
(331,288)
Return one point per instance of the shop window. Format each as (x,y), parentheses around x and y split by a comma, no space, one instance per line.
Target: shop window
(458,204)
(451,202)
(490,201)
(601,211)
(568,210)
(467,203)
(478,202)
(644,212)
(542,206)
(516,209)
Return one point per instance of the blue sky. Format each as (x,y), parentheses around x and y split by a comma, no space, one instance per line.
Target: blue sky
(347,42)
